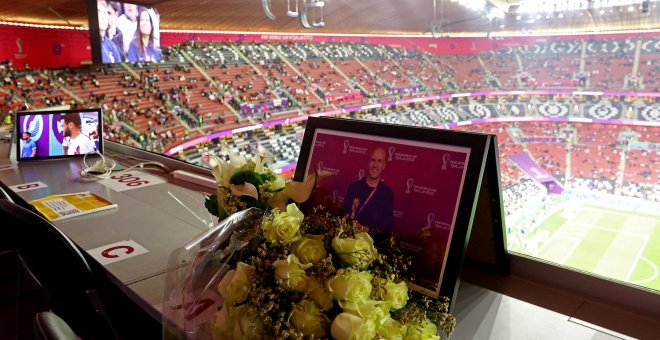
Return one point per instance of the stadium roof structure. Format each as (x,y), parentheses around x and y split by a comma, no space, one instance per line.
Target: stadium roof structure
(414,17)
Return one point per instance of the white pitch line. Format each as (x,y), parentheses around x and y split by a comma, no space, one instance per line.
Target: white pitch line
(628,214)
(552,238)
(653,277)
(645,241)
(639,255)
(587,225)
(576,243)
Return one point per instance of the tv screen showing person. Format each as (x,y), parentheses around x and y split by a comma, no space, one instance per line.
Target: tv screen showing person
(128,32)
(79,143)
(57,134)
(28,146)
(143,47)
(109,49)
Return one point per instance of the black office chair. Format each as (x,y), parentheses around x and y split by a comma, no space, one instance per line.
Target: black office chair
(61,270)
(49,326)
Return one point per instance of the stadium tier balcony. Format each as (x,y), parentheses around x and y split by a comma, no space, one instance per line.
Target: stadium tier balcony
(607,72)
(393,75)
(297,51)
(649,71)
(357,73)
(598,134)
(423,73)
(604,111)
(424,118)
(504,68)
(516,196)
(540,129)
(611,47)
(467,71)
(642,167)
(364,51)
(595,162)
(446,113)
(554,109)
(335,51)
(257,53)
(476,110)
(551,157)
(324,76)
(553,71)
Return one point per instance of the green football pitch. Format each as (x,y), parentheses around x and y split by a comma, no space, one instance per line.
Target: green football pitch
(620,245)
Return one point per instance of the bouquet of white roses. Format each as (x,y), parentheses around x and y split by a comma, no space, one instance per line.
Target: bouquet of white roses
(275,273)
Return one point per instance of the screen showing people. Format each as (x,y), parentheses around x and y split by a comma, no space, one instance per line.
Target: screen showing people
(392,186)
(58,134)
(129,32)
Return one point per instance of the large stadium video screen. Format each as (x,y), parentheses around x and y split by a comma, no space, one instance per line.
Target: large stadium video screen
(125,32)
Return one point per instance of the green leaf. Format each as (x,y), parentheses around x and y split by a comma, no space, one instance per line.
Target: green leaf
(243,176)
(211,204)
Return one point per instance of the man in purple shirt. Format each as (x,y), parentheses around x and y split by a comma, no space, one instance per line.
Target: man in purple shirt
(369,200)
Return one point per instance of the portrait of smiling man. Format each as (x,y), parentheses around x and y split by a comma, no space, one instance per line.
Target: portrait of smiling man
(369,200)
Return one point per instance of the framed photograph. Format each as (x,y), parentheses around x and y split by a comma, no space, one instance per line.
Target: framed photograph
(420,184)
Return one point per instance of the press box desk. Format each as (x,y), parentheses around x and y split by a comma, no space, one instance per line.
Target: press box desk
(149,216)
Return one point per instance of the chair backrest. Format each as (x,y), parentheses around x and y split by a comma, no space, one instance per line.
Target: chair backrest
(59,267)
(49,326)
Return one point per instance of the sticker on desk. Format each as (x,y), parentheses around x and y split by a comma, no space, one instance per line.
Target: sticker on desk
(117,252)
(129,180)
(197,310)
(28,186)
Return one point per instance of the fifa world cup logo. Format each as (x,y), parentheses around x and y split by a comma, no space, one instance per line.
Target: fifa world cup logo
(409,185)
(346,143)
(19,44)
(445,160)
(319,166)
(429,220)
(361,174)
(391,153)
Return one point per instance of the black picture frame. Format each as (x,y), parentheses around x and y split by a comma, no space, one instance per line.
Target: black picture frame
(46,125)
(479,147)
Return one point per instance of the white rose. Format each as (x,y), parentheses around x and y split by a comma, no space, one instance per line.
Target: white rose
(347,326)
(285,226)
(248,325)
(319,293)
(222,326)
(350,285)
(358,251)
(310,249)
(235,285)
(290,274)
(309,319)
(377,311)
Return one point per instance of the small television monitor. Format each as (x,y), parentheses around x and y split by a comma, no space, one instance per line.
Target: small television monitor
(58,134)
(124,32)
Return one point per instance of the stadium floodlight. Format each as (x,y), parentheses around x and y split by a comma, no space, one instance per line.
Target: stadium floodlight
(530,6)
(266,6)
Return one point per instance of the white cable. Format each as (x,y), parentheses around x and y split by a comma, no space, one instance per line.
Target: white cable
(100,169)
(103,169)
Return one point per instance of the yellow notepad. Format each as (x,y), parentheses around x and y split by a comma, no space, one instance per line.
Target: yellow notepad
(58,207)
